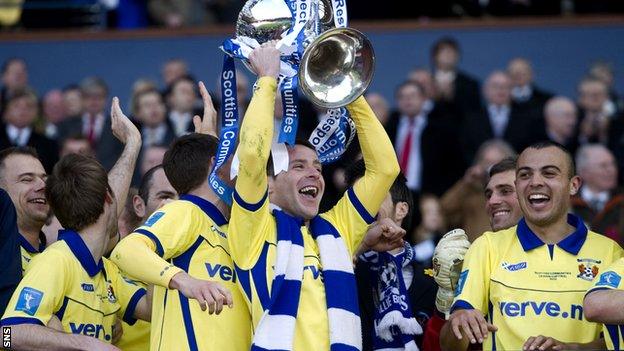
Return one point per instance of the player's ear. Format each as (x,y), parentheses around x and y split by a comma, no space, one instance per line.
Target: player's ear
(139,206)
(401,209)
(575,184)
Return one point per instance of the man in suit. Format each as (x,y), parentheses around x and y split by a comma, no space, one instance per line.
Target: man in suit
(599,202)
(560,116)
(500,119)
(182,102)
(453,86)
(17,129)
(150,113)
(593,97)
(427,146)
(14,79)
(524,93)
(92,123)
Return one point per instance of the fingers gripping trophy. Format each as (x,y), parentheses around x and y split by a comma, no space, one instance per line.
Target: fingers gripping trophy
(448,258)
(330,63)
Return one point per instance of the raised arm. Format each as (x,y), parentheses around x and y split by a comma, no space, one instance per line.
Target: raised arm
(257,128)
(120,175)
(381,163)
(34,337)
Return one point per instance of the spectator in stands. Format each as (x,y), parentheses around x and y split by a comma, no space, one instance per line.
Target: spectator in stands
(14,79)
(179,13)
(72,99)
(17,128)
(603,71)
(139,86)
(429,231)
(242,94)
(151,157)
(524,93)
(380,106)
(436,104)
(594,120)
(599,202)
(417,135)
(181,100)
(151,114)
(453,85)
(174,69)
(500,119)
(463,203)
(561,120)
(92,124)
(76,144)
(54,112)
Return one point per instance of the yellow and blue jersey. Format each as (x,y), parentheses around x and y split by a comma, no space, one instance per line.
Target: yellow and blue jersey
(611,279)
(65,281)
(28,252)
(253,241)
(135,337)
(190,235)
(524,286)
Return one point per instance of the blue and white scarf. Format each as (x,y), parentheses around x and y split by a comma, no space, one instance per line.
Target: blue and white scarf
(395,325)
(345,333)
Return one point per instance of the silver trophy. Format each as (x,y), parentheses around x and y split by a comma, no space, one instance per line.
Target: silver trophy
(337,64)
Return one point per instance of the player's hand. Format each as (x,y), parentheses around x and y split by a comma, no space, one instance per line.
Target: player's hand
(210,295)
(117,331)
(470,323)
(123,129)
(265,60)
(207,124)
(448,258)
(384,235)
(541,342)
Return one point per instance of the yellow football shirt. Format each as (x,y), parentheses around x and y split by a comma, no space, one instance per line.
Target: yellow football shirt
(66,281)
(527,288)
(610,279)
(28,252)
(253,234)
(190,235)
(135,337)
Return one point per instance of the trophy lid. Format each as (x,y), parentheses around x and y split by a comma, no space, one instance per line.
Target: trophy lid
(264,20)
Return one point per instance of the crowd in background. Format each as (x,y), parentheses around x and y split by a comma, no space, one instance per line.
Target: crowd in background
(446,126)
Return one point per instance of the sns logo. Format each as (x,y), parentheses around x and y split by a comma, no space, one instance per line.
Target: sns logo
(225,273)
(551,309)
(88,329)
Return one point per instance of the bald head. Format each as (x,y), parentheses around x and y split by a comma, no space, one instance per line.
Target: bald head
(520,71)
(561,117)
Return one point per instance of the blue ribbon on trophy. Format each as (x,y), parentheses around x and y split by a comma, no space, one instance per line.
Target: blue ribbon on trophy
(295,24)
(229,128)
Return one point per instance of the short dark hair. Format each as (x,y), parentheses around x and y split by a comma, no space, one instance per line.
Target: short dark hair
(90,83)
(187,162)
(399,192)
(146,182)
(137,97)
(420,87)
(442,42)
(505,165)
(76,191)
(548,143)
(17,150)
(298,141)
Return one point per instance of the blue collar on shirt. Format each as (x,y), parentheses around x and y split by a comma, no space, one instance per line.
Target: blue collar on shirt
(26,245)
(572,243)
(81,251)
(211,210)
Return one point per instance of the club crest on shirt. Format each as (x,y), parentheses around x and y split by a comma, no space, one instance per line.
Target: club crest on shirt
(111,294)
(588,268)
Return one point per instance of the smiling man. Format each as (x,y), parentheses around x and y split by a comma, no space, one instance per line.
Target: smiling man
(529,280)
(500,192)
(295,264)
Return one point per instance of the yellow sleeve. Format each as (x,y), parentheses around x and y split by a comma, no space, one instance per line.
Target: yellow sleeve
(473,287)
(255,142)
(610,279)
(167,233)
(127,292)
(360,204)
(250,213)
(40,293)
